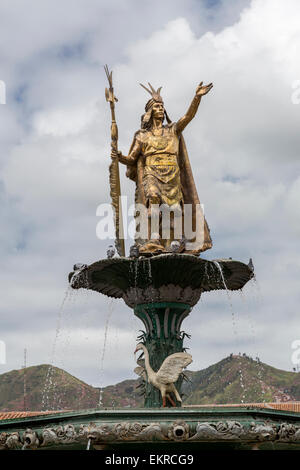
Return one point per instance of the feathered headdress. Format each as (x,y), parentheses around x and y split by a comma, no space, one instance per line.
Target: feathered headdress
(148,108)
(154,93)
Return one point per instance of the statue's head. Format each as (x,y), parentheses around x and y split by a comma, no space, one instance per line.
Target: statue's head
(158,110)
(154,108)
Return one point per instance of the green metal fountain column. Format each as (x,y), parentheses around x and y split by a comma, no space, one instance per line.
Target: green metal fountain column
(162,337)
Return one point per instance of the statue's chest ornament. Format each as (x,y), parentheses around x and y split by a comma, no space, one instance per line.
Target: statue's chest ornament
(159,142)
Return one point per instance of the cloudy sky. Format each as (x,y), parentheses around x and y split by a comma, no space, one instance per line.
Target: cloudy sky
(54,144)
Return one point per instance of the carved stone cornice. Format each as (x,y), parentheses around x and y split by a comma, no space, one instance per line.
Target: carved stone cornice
(126,431)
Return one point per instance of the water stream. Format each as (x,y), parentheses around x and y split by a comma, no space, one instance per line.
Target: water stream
(150,280)
(50,392)
(49,382)
(233,316)
(108,317)
(254,296)
(234,326)
(249,319)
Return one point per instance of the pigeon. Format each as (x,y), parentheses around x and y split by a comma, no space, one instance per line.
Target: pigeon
(134,251)
(175,245)
(251,265)
(111,251)
(79,266)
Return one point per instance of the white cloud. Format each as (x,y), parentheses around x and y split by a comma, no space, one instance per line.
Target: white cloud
(293,205)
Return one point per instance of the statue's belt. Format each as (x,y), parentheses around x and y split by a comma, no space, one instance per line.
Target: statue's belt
(161,160)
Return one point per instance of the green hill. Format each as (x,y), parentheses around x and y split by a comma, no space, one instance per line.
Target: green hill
(235,379)
(240,379)
(44,383)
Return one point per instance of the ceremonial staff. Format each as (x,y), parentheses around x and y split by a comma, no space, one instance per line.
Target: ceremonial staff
(114,175)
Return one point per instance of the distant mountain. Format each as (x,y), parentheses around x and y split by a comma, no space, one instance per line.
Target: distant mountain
(44,384)
(240,379)
(235,379)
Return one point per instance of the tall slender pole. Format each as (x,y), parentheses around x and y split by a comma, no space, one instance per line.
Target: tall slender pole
(114,174)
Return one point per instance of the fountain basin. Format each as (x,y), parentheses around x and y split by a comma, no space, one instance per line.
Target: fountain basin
(162,278)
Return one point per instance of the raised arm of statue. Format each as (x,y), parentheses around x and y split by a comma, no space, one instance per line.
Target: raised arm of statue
(190,114)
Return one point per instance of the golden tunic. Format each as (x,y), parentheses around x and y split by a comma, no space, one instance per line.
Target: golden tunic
(161,178)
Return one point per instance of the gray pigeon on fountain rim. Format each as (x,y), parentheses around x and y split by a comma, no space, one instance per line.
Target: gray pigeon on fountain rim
(79,266)
(251,265)
(111,251)
(134,251)
(175,245)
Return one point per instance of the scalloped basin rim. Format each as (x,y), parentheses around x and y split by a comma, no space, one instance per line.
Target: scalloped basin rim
(114,277)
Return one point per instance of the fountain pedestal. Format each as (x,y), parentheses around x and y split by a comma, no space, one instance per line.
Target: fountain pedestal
(162,291)
(162,337)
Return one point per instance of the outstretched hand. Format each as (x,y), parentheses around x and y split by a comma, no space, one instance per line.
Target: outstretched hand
(203,89)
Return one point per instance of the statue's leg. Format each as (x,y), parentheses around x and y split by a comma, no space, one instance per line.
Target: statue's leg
(153,201)
(174,223)
(153,217)
(164,396)
(178,397)
(171,400)
(167,241)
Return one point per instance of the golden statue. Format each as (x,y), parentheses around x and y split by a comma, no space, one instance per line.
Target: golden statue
(158,162)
